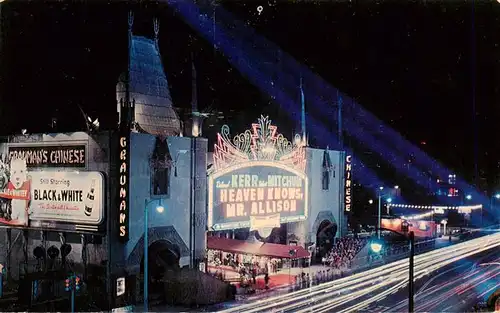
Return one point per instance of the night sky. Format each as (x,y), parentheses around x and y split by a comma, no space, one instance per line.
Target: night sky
(410,64)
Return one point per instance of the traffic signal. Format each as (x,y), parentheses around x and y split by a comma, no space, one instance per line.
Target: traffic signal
(77,283)
(67,284)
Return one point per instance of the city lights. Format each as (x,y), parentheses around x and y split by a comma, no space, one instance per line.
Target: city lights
(376,247)
(372,285)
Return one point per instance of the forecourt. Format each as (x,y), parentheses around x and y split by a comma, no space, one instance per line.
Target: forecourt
(362,289)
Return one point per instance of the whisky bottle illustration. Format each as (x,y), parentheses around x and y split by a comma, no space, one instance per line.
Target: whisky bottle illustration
(89,200)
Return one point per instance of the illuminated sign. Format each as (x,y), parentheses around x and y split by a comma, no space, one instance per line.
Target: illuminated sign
(123,187)
(50,155)
(268,221)
(120,286)
(258,189)
(348,183)
(420,228)
(258,179)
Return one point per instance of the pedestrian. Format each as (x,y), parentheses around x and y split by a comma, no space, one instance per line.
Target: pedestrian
(266,280)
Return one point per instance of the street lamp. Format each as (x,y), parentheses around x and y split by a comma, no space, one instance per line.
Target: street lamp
(370,201)
(159,209)
(310,249)
(379,209)
(497,197)
(469,197)
(389,200)
(376,247)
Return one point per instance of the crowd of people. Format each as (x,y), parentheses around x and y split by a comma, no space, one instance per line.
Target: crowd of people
(343,252)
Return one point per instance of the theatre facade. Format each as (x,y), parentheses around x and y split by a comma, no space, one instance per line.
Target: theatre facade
(282,191)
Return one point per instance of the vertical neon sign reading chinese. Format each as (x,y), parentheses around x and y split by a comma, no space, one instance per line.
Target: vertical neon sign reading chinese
(123,186)
(348,183)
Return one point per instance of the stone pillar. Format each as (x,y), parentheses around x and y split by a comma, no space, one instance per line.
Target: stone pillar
(62,240)
(43,243)
(9,252)
(84,255)
(25,250)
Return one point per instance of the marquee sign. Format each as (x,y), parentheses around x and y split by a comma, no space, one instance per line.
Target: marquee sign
(50,155)
(348,183)
(258,175)
(123,186)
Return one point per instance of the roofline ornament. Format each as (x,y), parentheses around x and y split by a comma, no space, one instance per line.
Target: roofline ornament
(260,143)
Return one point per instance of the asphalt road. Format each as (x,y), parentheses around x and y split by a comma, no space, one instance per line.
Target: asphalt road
(384,288)
(456,288)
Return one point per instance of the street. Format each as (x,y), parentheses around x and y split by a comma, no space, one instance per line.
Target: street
(455,289)
(369,289)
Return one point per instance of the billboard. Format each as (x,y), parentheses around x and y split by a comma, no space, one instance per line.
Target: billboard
(420,228)
(49,155)
(50,199)
(258,180)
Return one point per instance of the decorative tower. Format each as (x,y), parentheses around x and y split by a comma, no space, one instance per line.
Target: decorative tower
(196,116)
(303,113)
(144,85)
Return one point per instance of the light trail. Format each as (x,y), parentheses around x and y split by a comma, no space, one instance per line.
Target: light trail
(374,284)
(418,274)
(433,298)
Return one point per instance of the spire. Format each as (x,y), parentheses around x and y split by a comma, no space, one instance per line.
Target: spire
(127,74)
(195,116)
(194,88)
(303,112)
(339,121)
(156,28)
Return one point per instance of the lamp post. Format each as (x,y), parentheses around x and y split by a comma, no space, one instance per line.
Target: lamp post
(159,209)
(377,247)
(411,238)
(310,250)
(389,200)
(493,198)
(469,197)
(379,218)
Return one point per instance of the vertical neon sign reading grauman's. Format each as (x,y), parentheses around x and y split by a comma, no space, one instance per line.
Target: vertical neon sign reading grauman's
(348,183)
(123,188)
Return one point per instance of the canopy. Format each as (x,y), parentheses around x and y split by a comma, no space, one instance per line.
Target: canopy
(258,248)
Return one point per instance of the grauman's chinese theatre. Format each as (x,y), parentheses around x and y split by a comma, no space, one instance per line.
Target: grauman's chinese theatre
(262,186)
(76,202)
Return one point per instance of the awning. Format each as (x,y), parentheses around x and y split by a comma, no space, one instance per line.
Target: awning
(260,249)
